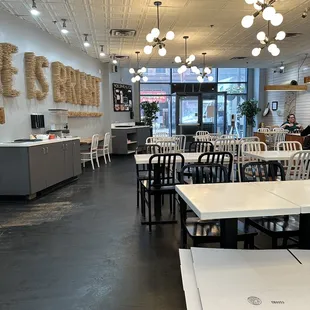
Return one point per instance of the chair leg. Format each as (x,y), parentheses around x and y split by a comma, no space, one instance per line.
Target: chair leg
(105,160)
(150,212)
(92,161)
(109,156)
(170,203)
(97,160)
(143,201)
(173,205)
(284,243)
(83,163)
(274,243)
(138,194)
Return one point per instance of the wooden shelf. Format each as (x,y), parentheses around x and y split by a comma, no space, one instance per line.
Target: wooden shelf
(286,88)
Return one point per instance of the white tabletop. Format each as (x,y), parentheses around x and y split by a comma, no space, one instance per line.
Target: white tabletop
(302,255)
(191,292)
(233,200)
(189,158)
(38,143)
(271,155)
(297,192)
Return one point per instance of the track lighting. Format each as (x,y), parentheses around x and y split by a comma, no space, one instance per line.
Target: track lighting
(102,53)
(34,11)
(86,43)
(264,7)
(153,37)
(138,73)
(64,29)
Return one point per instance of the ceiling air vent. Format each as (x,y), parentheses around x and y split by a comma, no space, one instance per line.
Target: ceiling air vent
(293,34)
(121,57)
(122,33)
(238,58)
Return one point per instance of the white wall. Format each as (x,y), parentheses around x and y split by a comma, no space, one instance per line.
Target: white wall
(29,38)
(289,102)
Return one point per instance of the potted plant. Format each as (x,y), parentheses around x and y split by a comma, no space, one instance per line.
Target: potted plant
(249,109)
(150,109)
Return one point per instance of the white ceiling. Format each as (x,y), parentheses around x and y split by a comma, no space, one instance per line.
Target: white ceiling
(225,40)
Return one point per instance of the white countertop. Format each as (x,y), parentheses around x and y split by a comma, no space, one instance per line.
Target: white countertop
(234,200)
(28,144)
(129,127)
(271,155)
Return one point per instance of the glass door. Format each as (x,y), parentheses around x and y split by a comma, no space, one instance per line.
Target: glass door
(188,114)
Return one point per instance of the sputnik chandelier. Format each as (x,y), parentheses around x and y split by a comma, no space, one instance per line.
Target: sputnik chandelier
(138,74)
(188,60)
(268,42)
(153,37)
(268,12)
(205,73)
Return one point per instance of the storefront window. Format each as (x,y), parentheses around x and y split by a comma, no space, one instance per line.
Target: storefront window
(158,75)
(233,101)
(232,75)
(189,76)
(232,88)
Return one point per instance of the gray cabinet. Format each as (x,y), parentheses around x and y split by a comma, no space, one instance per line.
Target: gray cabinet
(28,170)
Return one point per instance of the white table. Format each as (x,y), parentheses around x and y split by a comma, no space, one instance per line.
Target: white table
(271,155)
(226,279)
(143,159)
(229,201)
(303,256)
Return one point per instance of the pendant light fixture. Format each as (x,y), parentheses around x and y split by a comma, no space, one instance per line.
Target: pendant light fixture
(264,7)
(86,43)
(205,73)
(64,29)
(102,53)
(114,60)
(187,63)
(153,37)
(138,73)
(34,11)
(266,41)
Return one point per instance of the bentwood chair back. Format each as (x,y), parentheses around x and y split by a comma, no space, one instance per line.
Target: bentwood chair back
(299,166)
(201,147)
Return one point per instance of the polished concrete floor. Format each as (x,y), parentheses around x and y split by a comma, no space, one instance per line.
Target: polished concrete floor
(82,247)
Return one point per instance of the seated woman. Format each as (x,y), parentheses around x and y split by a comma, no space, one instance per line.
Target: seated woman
(291,125)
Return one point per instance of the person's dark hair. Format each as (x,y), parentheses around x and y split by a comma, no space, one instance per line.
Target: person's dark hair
(288,117)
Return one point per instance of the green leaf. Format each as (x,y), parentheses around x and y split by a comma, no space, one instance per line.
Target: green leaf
(150,109)
(249,109)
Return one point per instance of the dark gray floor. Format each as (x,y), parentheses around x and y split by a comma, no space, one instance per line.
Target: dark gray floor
(82,247)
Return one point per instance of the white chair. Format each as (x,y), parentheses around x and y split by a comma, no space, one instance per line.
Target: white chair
(229,136)
(161,134)
(151,140)
(202,133)
(299,166)
(263,130)
(289,146)
(202,136)
(214,136)
(278,136)
(180,141)
(248,147)
(167,146)
(93,152)
(278,129)
(106,147)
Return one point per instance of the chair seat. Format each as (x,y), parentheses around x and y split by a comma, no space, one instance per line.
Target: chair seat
(167,188)
(87,153)
(279,225)
(211,229)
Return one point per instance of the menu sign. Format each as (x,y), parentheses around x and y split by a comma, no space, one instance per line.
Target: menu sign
(122,97)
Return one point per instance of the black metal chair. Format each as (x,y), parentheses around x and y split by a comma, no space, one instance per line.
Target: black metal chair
(162,178)
(276,227)
(223,158)
(142,170)
(208,231)
(201,147)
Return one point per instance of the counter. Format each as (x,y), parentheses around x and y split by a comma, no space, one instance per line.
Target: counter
(30,167)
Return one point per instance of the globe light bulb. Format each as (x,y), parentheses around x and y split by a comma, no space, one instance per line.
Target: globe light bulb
(155,32)
(143,69)
(194,69)
(34,11)
(86,44)
(177,59)
(250,1)
(114,61)
(180,70)
(191,58)
(210,78)
(133,80)
(162,51)
(64,31)
(280,35)
(247,21)
(139,71)
(150,38)
(131,70)
(170,35)
(183,68)
(256,51)
(275,52)
(261,36)
(145,79)
(138,78)
(272,47)
(200,79)
(207,70)
(148,49)
(277,19)
(257,7)
(102,54)
(269,13)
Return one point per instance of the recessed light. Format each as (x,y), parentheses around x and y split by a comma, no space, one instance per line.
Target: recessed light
(34,11)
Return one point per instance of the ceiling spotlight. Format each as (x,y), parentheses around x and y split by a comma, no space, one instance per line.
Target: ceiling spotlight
(114,61)
(188,60)
(205,73)
(102,53)
(138,73)
(64,29)
(34,11)
(264,7)
(305,13)
(282,67)
(153,37)
(86,43)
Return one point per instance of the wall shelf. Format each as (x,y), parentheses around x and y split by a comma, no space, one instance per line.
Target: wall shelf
(74,114)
